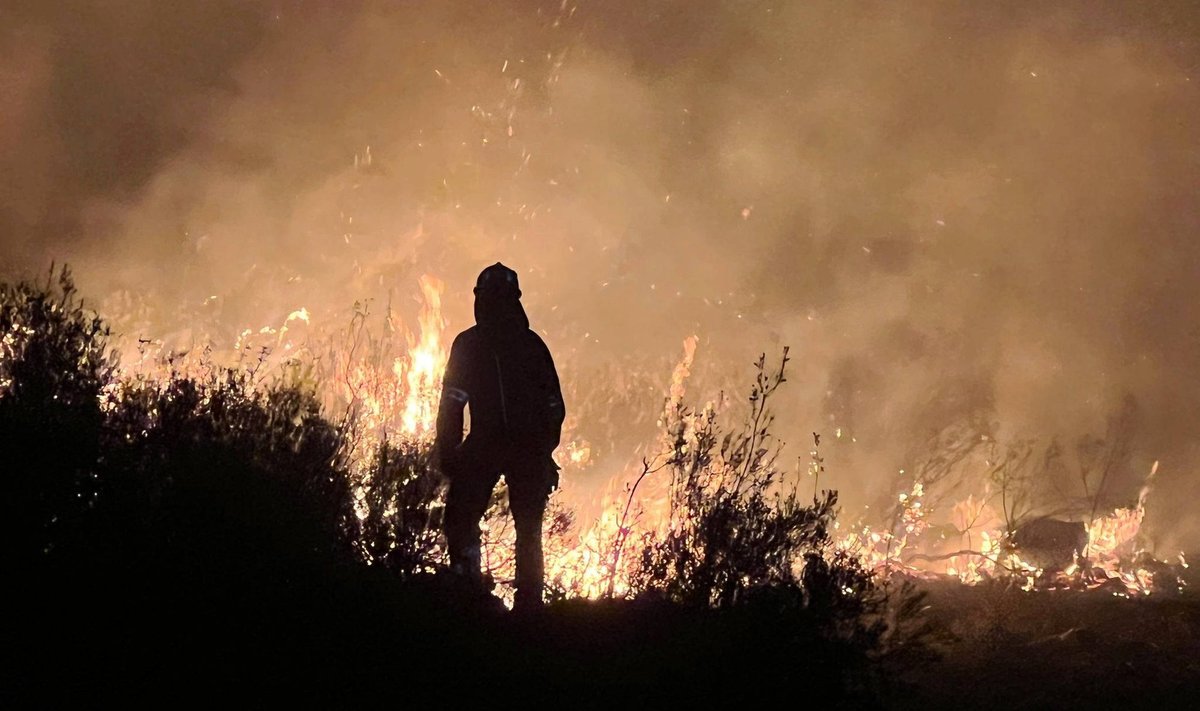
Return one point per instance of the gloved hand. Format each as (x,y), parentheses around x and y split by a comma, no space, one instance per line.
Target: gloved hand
(449,459)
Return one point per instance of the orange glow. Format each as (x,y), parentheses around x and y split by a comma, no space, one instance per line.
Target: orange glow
(386,395)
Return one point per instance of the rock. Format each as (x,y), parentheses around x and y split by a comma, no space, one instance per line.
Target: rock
(1049,543)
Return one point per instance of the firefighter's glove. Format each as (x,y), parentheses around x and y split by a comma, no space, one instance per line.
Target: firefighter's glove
(450,460)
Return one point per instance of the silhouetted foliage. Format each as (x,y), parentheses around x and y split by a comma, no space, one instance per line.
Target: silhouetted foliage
(54,364)
(739,534)
(221,458)
(402,499)
(112,471)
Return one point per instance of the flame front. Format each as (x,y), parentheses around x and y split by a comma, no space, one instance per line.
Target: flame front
(388,395)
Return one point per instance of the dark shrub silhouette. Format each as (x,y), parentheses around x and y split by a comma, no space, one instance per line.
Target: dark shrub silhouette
(403,522)
(207,473)
(54,363)
(741,536)
(737,526)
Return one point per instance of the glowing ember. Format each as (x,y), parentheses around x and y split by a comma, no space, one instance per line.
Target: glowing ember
(986,550)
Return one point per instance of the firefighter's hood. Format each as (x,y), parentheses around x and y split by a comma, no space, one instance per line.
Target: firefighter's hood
(500,313)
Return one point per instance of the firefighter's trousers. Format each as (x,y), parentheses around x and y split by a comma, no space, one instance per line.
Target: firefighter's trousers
(529,481)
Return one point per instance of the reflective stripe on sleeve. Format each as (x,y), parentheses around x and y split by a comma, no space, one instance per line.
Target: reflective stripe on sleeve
(455,394)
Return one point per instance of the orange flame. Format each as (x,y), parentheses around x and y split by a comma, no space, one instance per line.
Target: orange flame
(397,395)
(424,365)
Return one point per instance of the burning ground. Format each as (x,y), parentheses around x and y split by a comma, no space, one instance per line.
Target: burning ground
(974,226)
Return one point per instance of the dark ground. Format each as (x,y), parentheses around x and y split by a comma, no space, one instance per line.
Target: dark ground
(994,648)
(421,641)
(1004,648)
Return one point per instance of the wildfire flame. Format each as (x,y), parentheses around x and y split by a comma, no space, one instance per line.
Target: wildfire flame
(396,395)
(424,365)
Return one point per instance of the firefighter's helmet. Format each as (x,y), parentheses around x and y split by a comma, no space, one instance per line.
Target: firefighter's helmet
(498,279)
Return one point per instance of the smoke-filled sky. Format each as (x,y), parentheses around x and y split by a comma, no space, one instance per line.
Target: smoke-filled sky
(949,211)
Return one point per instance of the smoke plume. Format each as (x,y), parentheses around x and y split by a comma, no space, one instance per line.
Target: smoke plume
(950,211)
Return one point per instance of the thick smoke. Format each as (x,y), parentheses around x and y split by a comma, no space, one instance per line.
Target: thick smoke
(951,212)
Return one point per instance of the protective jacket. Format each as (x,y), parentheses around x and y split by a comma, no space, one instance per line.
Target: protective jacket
(503,371)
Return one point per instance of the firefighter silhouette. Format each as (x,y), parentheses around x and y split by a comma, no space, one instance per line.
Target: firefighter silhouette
(504,373)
